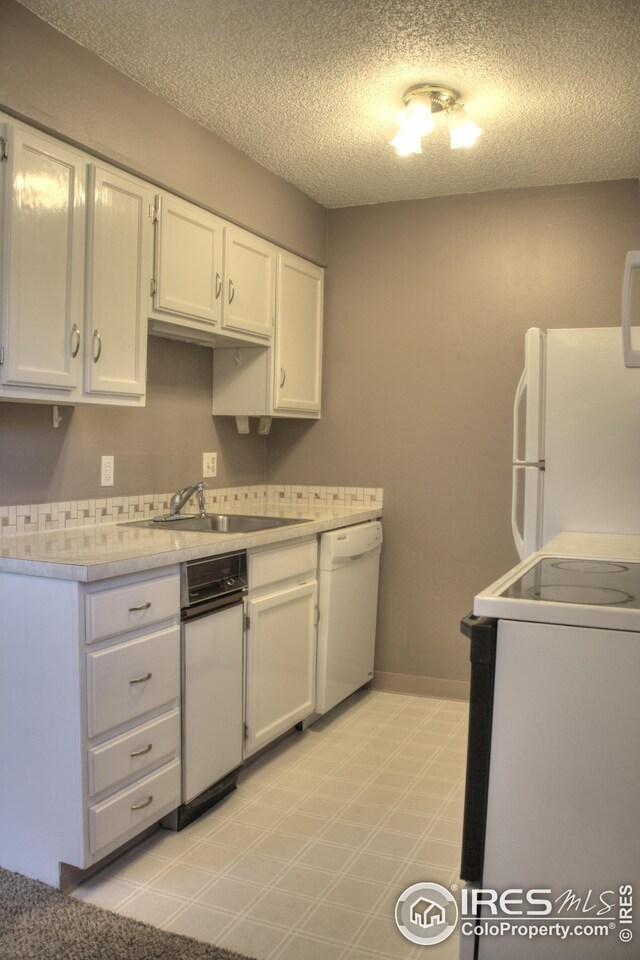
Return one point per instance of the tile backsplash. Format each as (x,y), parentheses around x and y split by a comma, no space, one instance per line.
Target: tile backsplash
(38,517)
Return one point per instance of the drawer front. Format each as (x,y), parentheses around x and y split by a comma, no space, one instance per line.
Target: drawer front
(131,810)
(128,680)
(135,752)
(283,563)
(121,609)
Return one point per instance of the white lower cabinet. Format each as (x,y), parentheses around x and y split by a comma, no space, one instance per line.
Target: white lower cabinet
(128,812)
(280,635)
(89,724)
(133,709)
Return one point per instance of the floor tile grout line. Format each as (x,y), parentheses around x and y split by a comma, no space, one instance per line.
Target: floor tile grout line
(350,860)
(397,874)
(362,710)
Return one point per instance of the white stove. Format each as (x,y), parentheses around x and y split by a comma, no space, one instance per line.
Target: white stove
(553,775)
(586,590)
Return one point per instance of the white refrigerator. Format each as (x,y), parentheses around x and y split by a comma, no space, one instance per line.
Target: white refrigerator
(576,437)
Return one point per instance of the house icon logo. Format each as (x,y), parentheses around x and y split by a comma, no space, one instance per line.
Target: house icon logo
(426,913)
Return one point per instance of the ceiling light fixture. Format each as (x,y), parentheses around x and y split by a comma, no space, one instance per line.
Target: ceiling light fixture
(416,120)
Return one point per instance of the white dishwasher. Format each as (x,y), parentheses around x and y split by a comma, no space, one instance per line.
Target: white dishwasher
(347,603)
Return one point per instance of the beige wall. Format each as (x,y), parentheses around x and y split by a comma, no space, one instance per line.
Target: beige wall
(426,306)
(157,449)
(47,78)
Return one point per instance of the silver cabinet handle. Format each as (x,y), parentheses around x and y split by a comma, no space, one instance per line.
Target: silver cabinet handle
(143,606)
(146,677)
(143,751)
(96,336)
(145,803)
(283,376)
(218,285)
(75,333)
(232,291)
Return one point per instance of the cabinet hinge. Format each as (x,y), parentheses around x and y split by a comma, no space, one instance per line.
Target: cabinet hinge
(154,213)
(152,287)
(245,731)
(247,621)
(4,148)
(1,355)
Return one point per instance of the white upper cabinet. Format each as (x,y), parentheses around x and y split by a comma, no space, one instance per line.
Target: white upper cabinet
(298,345)
(250,284)
(189,248)
(119,266)
(42,266)
(283,380)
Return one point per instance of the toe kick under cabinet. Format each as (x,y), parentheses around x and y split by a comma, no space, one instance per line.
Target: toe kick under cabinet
(89,716)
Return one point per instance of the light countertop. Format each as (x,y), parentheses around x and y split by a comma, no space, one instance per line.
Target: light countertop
(109,550)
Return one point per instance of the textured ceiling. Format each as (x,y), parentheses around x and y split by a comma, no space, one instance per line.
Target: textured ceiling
(311,89)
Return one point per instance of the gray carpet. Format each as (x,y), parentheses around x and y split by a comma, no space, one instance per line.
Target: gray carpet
(39,923)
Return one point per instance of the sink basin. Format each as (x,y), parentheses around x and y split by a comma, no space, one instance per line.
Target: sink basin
(218,523)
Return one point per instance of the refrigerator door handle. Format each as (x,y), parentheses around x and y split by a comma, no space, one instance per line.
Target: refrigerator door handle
(520,392)
(518,538)
(631,356)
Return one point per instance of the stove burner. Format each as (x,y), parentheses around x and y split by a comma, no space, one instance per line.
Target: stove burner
(578,593)
(589,566)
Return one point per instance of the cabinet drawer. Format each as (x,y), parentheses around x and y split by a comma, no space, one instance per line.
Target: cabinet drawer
(128,680)
(132,753)
(283,563)
(110,612)
(131,810)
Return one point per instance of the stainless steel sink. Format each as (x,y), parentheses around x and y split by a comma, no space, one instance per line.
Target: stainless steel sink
(217,523)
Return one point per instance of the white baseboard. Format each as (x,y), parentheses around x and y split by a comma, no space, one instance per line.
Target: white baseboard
(421,686)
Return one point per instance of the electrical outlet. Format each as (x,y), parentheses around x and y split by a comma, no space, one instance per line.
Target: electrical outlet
(209,464)
(106,471)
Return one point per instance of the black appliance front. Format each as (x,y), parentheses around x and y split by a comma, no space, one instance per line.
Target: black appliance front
(482,632)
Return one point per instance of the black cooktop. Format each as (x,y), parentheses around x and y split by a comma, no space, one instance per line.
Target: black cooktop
(604,583)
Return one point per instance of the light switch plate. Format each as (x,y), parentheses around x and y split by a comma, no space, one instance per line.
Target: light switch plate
(209,465)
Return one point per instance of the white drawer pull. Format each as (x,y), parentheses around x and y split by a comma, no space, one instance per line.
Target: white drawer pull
(143,606)
(145,803)
(146,677)
(141,753)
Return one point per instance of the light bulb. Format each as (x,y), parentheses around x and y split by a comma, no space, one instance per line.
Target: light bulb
(414,123)
(463,131)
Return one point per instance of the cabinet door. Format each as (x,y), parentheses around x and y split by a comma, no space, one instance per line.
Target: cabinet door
(189,248)
(43,263)
(119,268)
(298,347)
(250,284)
(281,656)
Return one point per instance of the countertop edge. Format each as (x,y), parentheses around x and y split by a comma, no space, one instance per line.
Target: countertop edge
(204,545)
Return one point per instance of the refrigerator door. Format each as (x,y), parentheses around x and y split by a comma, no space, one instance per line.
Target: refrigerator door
(528,447)
(592,435)
(630,334)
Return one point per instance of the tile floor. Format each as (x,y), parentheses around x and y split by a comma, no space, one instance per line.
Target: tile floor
(305,861)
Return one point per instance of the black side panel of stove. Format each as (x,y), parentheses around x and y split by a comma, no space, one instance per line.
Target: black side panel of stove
(482,632)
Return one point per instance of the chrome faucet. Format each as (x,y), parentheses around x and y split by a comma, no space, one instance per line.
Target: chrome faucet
(179,499)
